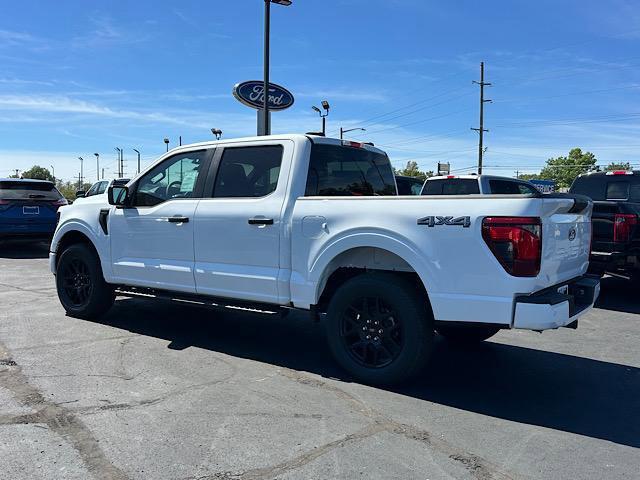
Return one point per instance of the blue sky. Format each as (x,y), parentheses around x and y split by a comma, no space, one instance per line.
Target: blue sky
(80,77)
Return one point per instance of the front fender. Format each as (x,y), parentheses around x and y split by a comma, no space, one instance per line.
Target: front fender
(94,233)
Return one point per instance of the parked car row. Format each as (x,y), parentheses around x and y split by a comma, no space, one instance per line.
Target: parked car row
(315,224)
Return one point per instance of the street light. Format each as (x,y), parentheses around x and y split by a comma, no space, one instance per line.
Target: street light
(216,133)
(166,141)
(325,106)
(343,131)
(97,165)
(138,152)
(265,89)
(53,173)
(81,173)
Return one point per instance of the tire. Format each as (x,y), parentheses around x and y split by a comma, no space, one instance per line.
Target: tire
(80,283)
(467,335)
(404,319)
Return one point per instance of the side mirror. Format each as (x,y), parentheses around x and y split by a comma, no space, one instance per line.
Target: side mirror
(118,195)
(80,194)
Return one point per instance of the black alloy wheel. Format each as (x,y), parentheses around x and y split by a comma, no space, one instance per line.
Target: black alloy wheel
(372,332)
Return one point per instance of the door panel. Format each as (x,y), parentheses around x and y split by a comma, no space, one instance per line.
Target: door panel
(152,239)
(151,251)
(238,231)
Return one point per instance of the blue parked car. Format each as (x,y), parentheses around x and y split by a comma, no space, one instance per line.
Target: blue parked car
(28,208)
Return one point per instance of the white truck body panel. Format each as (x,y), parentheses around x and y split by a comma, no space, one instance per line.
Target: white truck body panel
(287,263)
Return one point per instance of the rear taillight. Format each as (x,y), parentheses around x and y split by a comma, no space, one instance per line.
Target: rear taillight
(623,224)
(61,202)
(516,242)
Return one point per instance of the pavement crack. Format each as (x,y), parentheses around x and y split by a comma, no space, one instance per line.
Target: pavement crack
(58,419)
(478,467)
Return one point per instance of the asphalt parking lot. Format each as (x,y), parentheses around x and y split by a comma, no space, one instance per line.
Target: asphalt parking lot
(163,390)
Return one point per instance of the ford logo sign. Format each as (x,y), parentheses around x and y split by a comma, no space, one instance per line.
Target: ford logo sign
(572,234)
(251,93)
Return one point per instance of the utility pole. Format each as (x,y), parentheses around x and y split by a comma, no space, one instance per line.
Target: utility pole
(138,152)
(53,174)
(481,130)
(102,173)
(17,170)
(119,162)
(81,171)
(97,165)
(79,181)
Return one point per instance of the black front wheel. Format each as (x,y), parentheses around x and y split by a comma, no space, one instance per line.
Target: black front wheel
(379,328)
(80,284)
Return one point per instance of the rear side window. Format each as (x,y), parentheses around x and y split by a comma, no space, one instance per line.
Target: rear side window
(506,187)
(248,171)
(452,186)
(344,171)
(617,190)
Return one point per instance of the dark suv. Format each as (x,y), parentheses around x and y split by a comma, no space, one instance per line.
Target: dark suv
(615,245)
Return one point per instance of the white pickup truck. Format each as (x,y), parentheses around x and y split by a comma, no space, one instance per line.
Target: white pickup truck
(314,223)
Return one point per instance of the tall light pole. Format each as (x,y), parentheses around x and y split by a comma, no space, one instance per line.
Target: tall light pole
(325,106)
(166,142)
(138,152)
(81,173)
(53,173)
(343,131)
(97,165)
(267,27)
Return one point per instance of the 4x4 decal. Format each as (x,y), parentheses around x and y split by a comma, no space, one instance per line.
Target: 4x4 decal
(434,221)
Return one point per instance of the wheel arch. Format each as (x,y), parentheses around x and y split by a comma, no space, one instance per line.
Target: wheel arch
(340,262)
(73,237)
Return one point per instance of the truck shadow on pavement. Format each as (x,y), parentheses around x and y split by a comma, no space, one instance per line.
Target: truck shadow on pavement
(619,295)
(563,392)
(24,249)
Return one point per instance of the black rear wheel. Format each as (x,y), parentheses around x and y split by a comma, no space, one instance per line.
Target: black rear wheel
(379,328)
(80,283)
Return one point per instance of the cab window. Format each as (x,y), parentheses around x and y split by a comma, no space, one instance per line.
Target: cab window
(337,170)
(248,171)
(175,178)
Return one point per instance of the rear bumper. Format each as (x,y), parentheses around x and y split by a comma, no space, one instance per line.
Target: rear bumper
(16,229)
(557,306)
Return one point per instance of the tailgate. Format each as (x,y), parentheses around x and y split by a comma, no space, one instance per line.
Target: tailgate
(566,238)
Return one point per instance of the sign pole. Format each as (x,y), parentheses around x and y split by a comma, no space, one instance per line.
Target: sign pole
(265,92)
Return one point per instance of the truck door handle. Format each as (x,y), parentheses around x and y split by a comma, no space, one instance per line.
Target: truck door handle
(261,221)
(178,219)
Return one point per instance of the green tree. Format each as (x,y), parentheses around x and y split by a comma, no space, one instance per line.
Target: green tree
(617,166)
(529,176)
(38,173)
(412,170)
(564,170)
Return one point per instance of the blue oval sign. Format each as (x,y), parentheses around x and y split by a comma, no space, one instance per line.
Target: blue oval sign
(251,93)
